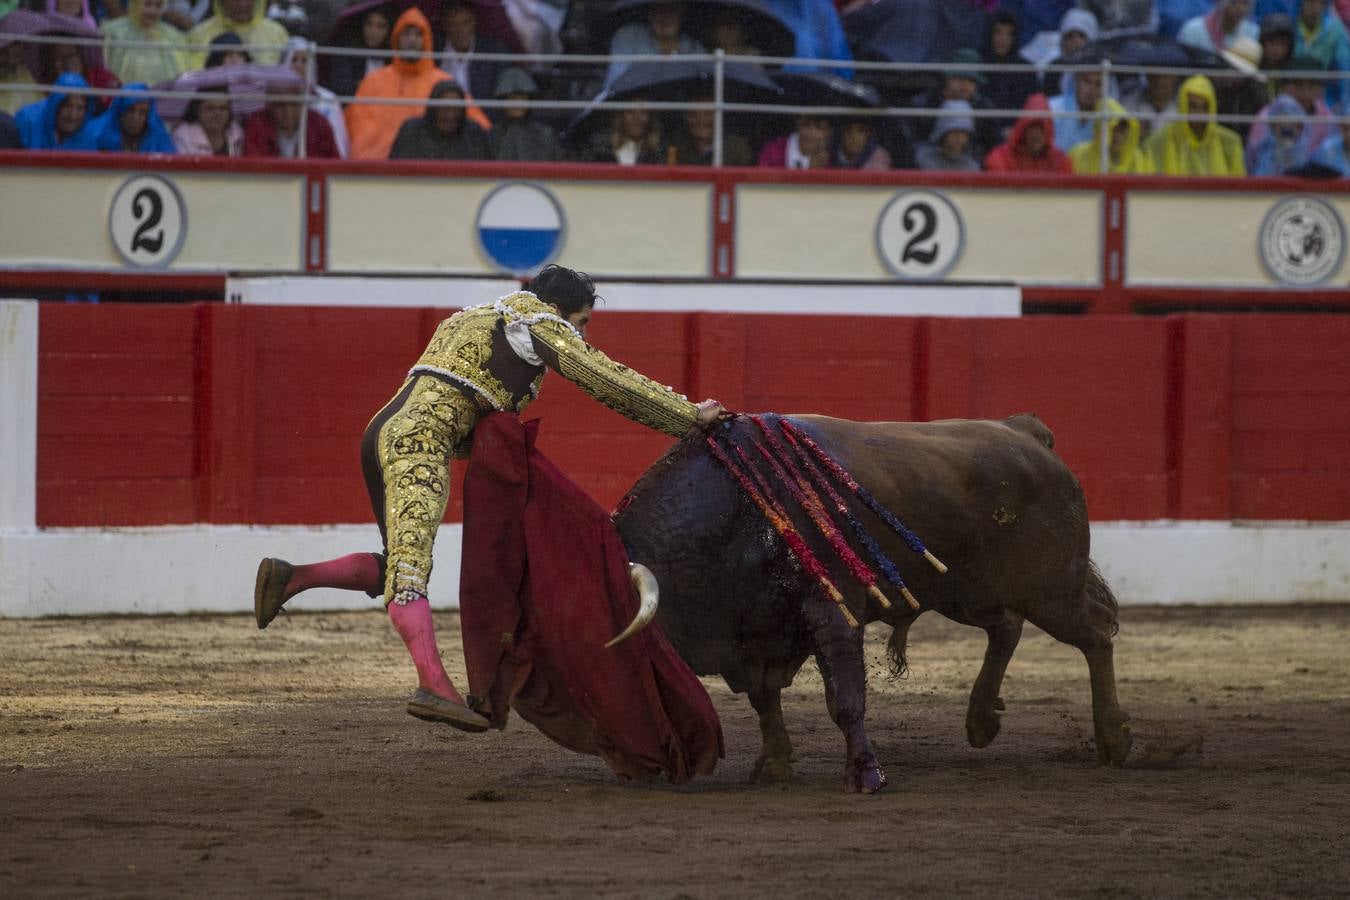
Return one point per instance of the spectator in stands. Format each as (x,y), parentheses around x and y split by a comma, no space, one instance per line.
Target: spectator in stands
(962,83)
(75,9)
(633,138)
(1077,29)
(130,125)
(1308,94)
(442,132)
(1123,17)
(807,147)
(1216,30)
(459,22)
(692,144)
(1154,102)
(1282,148)
(275,131)
(248,19)
(344,73)
(1242,94)
(1031,146)
(144,22)
(660,34)
(1196,145)
(208,127)
(409,75)
(59,120)
(9,133)
(14,72)
(227,50)
(517,136)
(950,146)
(729,32)
(1082,92)
(1003,89)
(296,55)
(855,146)
(1277,42)
(1332,152)
(59,59)
(1320,35)
(1124,154)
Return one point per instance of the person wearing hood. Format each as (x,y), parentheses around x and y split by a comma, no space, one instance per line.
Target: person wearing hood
(130,125)
(296,55)
(442,132)
(246,18)
(1124,154)
(1197,144)
(517,136)
(1319,34)
(1082,91)
(1031,146)
(274,131)
(950,146)
(1332,152)
(59,121)
(961,81)
(1307,93)
(410,75)
(1005,89)
(13,71)
(1077,29)
(1216,30)
(1282,148)
(144,22)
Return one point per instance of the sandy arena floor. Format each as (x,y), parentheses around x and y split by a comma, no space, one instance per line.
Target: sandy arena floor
(199,757)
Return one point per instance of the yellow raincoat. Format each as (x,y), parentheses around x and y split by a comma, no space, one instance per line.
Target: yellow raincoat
(260,31)
(145,65)
(1132,160)
(1176,150)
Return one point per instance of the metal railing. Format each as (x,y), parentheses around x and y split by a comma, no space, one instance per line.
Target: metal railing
(719,103)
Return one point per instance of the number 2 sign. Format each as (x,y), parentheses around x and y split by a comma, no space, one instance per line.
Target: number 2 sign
(920,235)
(147,221)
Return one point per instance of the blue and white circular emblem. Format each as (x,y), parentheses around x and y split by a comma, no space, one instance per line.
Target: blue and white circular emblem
(521,227)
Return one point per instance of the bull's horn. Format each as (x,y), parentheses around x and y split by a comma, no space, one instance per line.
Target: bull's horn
(649,595)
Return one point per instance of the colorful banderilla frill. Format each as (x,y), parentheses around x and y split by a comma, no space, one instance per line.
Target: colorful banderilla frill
(783,525)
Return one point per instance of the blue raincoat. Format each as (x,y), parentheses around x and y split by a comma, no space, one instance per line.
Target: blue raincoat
(37,121)
(105,132)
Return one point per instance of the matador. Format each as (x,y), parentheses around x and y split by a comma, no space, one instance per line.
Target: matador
(481,359)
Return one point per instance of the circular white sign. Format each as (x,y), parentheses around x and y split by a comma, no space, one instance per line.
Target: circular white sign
(147,221)
(920,235)
(1302,241)
(521,227)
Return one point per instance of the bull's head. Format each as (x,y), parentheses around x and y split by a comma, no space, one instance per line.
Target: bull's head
(649,594)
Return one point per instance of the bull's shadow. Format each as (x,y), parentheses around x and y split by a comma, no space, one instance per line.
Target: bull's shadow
(990,498)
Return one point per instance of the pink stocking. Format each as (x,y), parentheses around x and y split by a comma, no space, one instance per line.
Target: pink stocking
(353,572)
(413,623)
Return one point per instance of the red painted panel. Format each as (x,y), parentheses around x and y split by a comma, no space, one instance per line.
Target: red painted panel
(115,502)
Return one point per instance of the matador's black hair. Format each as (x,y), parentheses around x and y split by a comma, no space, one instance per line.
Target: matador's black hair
(569,290)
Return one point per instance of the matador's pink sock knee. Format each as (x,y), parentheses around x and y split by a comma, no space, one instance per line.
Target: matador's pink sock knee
(353,572)
(413,623)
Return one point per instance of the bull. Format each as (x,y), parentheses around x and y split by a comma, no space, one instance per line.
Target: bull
(990,498)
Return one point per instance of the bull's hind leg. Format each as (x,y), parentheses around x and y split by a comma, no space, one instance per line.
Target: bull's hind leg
(1089,623)
(775,758)
(982,720)
(839,654)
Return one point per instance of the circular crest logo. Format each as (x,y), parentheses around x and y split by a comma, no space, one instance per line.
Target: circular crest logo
(521,227)
(920,235)
(147,221)
(1302,241)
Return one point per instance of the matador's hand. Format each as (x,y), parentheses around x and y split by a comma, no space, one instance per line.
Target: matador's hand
(710,412)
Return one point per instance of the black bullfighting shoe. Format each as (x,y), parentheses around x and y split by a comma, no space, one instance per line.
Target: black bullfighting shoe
(269,590)
(425,705)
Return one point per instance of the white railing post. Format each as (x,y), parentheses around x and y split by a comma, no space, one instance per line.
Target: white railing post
(719,86)
(18,412)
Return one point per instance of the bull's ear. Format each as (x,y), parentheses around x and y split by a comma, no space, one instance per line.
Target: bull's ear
(649,596)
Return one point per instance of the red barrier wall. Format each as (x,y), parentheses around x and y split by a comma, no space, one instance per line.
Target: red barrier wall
(226,414)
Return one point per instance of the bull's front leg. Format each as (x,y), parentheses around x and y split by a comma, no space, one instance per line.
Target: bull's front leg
(839,654)
(775,758)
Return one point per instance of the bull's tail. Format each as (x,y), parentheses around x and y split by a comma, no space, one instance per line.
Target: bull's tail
(1098,593)
(895,652)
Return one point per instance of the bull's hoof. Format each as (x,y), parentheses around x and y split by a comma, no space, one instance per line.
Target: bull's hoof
(771,770)
(1113,740)
(864,776)
(982,725)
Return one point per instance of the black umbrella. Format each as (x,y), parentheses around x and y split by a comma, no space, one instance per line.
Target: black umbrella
(913,30)
(825,89)
(672,80)
(1147,50)
(764,25)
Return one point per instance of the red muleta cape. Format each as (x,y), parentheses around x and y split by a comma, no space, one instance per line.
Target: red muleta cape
(543,585)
